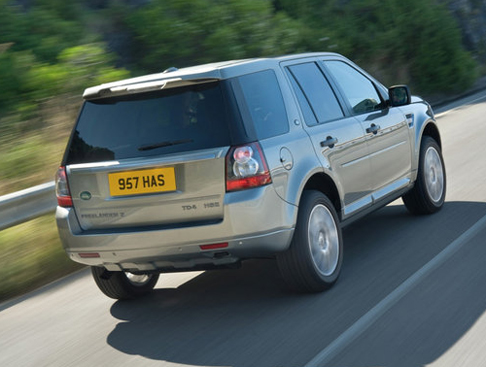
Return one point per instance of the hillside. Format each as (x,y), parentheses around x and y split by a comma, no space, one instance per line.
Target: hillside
(471,19)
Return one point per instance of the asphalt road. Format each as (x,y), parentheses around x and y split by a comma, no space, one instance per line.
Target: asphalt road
(412,293)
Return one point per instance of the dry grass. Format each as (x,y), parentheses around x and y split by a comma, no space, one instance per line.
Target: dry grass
(31,150)
(31,256)
(30,253)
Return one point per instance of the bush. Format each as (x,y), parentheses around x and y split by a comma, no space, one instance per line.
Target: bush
(167,34)
(415,42)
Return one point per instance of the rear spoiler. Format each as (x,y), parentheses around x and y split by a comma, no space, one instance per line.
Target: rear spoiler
(104,91)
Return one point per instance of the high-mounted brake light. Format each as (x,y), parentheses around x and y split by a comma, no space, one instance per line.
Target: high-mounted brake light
(63,194)
(246,168)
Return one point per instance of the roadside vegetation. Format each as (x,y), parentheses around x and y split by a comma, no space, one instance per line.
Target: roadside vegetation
(50,50)
(31,256)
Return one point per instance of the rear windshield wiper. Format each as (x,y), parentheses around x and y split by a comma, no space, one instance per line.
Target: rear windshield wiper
(164,144)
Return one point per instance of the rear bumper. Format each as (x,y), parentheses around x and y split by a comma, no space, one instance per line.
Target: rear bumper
(256,223)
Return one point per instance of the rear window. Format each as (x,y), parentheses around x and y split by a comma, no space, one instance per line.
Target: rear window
(155,123)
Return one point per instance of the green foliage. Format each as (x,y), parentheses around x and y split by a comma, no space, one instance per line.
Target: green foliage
(415,42)
(10,79)
(43,55)
(210,31)
(39,30)
(28,81)
(61,9)
(88,65)
(47,48)
(440,63)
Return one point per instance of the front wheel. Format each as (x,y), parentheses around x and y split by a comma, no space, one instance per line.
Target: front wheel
(428,194)
(313,261)
(123,285)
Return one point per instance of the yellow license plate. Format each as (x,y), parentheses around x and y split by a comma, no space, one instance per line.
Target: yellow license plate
(139,182)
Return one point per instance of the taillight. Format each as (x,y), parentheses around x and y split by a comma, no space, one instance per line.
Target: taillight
(246,168)
(63,194)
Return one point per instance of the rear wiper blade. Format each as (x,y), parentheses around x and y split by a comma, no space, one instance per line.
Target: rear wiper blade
(164,144)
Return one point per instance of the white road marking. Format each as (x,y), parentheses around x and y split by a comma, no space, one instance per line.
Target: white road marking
(360,326)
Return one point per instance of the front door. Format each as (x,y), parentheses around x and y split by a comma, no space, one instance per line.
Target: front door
(387,130)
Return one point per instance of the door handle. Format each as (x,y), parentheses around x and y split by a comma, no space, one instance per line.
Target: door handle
(373,129)
(329,142)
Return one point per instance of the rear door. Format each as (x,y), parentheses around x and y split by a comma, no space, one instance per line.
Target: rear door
(339,141)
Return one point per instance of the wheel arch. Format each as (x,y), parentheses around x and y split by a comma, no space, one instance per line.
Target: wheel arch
(432,130)
(325,184)
(429,128)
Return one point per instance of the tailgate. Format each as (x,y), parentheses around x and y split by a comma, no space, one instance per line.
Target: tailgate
(187,188)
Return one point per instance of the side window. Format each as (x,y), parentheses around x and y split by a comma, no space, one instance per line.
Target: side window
(358,90)
(309,116)
(316,98)
(265,103)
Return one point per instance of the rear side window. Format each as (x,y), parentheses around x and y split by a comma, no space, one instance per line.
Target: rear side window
(163,122)
(314,93)
(263,103)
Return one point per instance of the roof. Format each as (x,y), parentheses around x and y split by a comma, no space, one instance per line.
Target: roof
(190,75)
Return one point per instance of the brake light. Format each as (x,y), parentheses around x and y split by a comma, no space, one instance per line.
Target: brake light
(63,194)
(246,168)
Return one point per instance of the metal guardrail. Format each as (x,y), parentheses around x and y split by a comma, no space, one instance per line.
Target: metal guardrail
(24,205)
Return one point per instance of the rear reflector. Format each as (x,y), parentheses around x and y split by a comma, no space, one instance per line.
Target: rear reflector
(214,246)
(248,183)
(89,255)
(65,201)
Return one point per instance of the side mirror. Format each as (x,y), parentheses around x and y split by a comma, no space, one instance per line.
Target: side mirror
(399,95)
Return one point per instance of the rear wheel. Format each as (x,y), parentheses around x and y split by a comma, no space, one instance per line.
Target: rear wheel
(123,285)
(428,194)
(313,261)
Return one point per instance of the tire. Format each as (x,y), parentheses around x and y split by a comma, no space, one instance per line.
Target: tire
(428,194)
(313,261)
(123,285)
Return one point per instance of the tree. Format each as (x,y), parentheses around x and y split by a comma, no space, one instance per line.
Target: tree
(182,32)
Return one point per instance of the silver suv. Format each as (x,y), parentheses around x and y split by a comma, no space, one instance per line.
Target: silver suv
(203,167)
